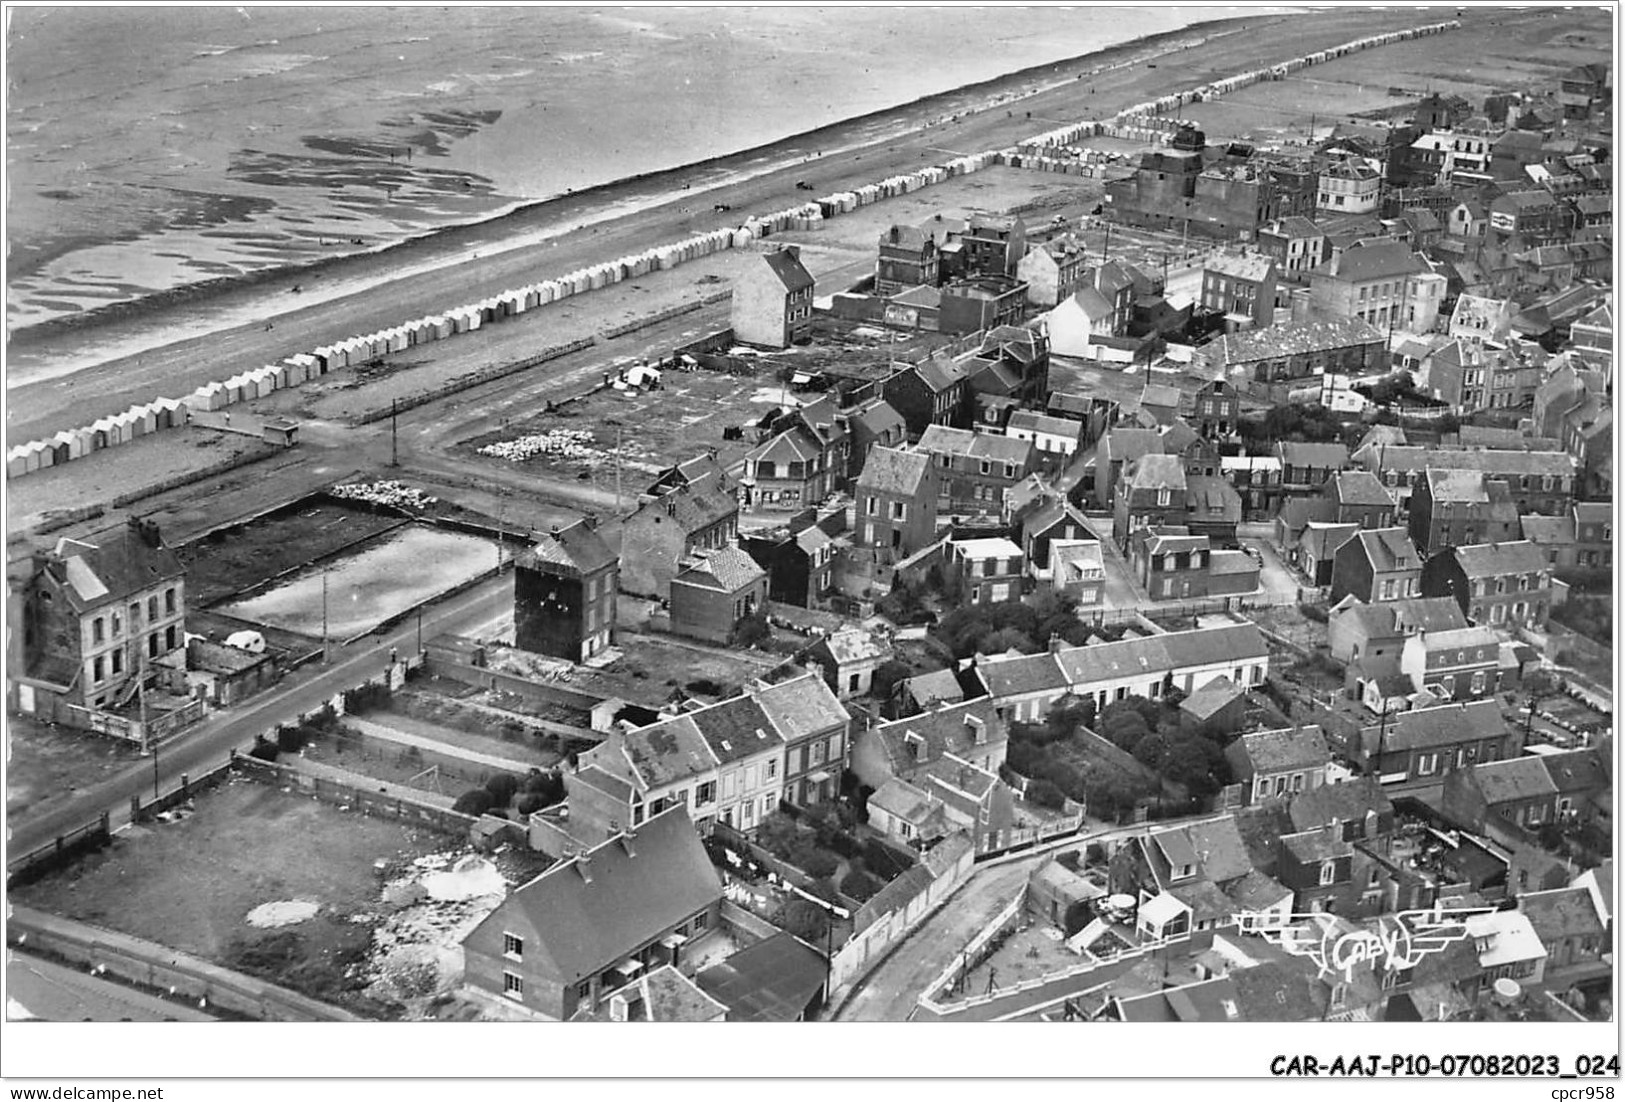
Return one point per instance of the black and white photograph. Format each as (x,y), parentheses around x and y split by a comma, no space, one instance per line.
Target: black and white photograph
(544,514)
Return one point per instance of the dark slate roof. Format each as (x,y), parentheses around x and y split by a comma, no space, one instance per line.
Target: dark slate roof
(1280,991)
(1492,461)
(635,892)
(1389,549)
(663,752)
(107,567)
(938,686)
(577,551)
(1300,453)
(691,508)
(735,728)
(1283,749)
(1576,771)
(1563,912)
(802,706)
(1017,676)
(1206,701)
(1155,471)
(771,981)
(1290,340)
(1513,779)
(1347,801)
(1480,560)
(1360,488)
(1311,846)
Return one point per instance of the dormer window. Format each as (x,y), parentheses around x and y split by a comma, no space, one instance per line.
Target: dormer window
(1185,871)
(1328,873)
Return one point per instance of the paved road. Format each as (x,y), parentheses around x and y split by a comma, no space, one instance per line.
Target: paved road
(891,992)
(54,993)
(206,745)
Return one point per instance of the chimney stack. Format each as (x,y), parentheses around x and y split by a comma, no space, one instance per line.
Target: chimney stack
(583,863)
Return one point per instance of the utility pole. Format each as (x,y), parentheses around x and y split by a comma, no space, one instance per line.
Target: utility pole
(141,695)
(618,467)
(394,451)
(324,614)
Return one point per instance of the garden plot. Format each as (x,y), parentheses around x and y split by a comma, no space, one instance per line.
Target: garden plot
(47,765)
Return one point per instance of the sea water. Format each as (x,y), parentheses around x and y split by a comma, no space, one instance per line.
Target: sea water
(151,147)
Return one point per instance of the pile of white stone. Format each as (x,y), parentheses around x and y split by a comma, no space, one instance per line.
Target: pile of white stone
(563,443)
(384,492)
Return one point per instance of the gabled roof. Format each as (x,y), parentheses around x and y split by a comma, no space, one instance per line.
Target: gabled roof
(1359,488)
(1285,749)
(1280,991)
(1155,471)
(949,728)
(111,565)
(1544,531)
(1562,913)
(1389,549)
(726,569)
(1576,771)
(894,471)
(1299,453)
(692,508)
(575,551)
(801,706)
(1313,846)
(944,440)
(1127,444)
(735,729)
(1389,618)
(771,981)
(1513,779)
(1206,701)
(936,687)
(1321,541)
(1294,339)
(788,268)
(910,803)
(1033,421)
(1345,802)
(1255,267)
(590,911)
(1019,676)
(1444,725)
(1490,461)
(1481,560)
(660,753)
(1377,260)
(1100,662)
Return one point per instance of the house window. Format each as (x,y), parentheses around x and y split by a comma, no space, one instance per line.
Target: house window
(1426,764)
(152,645)
(1328,873)
(1009,470)
(705,793)
(98,673)
(513,946)
(874,507)
(152,607)
(169,637)
(513,986)
(1371,881)
(987,467)
(1162,496)
(98,630)
(701,921)
(772,768)
(118,661)
(169,600)
(583,991)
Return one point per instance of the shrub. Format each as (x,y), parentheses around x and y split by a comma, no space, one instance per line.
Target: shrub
(884,861)
(545,786)
(496,813)
(752,630)
(366,698)
(290,740)
(476,801)
(860,885)
(264,749)
(1314,612)
(1045,794)
(501,786)
(805,919)
(528,804)
(846,845)
(815,862)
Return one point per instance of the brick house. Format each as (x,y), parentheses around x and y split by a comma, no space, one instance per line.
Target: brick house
(1150,494)
(1318,867)
(870,424)
(1217,411)
(1296,245)
(896,501)
(772,300)
(1053,271)
(992,246)
(1453,665)
(564,592)
(1241,287)
(908,258)
(1539,481)
(1358,497)
(1270,359)
(1568,924)
(1118,448)
(804,462)
(981,302)
(816,730)
(1170,563)
(1356,629)
(587,926)
(989,570)
(799,559)
(1504,585)
(1277,763)
(1428,743)
(1049,520)
(100,616)
(1377,565)
(672,527)
(932,392)
(714,591)
(1450,508)
(1306,468)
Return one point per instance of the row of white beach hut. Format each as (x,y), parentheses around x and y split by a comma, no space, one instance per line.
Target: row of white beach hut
(106,432)
(1140,121)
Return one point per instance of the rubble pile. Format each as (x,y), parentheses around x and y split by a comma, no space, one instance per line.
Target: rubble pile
(563,443)
(417,944)
(384,492)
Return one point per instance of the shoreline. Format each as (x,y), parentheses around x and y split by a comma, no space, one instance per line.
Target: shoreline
(605,198)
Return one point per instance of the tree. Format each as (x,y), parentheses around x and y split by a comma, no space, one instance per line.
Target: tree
(1046,794)
(1005,639)
(860,885)
(476,801)
(805,919)
(501,786)
(1125,728)
(887,677)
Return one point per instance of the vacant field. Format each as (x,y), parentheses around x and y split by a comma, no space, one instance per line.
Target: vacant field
(466,725)
(46,764)
(190,884)
(656,428)
(232,560)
